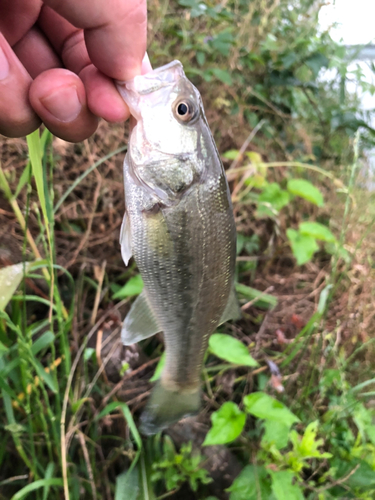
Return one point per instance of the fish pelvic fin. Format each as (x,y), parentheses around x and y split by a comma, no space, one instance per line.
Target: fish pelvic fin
(140,323)
(165,407)
(232,309)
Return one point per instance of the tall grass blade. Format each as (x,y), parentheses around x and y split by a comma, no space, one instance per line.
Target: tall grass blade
(46,377)
(23,180)
(36,485)
(36,152)
(49,473)
(43,341)
(261,299)
(128,417)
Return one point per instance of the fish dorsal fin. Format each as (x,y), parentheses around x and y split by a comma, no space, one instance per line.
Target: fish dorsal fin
(140,322)
(126,240)
(232,309)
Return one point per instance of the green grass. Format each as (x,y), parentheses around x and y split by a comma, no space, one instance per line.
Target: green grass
(42,395)
(52,414)
(305,428)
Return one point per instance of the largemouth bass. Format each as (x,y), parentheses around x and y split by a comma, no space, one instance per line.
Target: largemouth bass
(179,227)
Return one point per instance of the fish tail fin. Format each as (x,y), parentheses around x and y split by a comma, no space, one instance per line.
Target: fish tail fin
(165,407)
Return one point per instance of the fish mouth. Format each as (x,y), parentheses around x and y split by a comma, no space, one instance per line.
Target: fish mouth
(166,75)
(133,90)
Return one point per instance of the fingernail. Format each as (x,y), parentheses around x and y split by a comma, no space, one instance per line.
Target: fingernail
(63,104)
(4,65)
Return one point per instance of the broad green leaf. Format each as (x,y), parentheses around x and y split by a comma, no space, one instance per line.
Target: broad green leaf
(262,405)
(42,342)
(45,376)
(197,8)
(316,62)
(251,484)
(222,75)
(289,59)
(340,251)
(201,58)
(363,477)
(261,299)
(10,278)
(275,196)
(317,230)
(252,118)
(227,424)
(222,42)
(254,157)
(303,246)
(127,485)
(306,190)
(304,74)
(258,181)
(308,446)
(158,369)
(89,353)
(276,433)
(230,349)
(133,286)
(232,154)
(283,488)
(360,474)
(249,243)
(40,483)
(270,43)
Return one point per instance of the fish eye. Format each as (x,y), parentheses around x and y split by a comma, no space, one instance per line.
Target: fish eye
(185,111)
(182,109)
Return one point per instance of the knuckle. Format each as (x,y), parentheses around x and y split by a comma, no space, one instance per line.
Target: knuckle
(18,126)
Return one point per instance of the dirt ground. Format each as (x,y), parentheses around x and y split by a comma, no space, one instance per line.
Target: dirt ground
(87,227)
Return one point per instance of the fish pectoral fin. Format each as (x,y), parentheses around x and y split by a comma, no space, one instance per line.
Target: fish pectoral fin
(140,322)
(126,240)
(232,309)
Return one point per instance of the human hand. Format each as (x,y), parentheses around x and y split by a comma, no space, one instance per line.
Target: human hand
(58,59)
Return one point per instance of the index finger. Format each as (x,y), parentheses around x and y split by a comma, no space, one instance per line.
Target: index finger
(115,32)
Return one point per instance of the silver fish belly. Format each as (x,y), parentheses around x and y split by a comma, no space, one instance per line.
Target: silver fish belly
(179,227)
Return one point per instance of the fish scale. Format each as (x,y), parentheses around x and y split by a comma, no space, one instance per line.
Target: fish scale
(179,227)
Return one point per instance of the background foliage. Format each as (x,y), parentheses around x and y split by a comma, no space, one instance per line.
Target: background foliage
(288,390)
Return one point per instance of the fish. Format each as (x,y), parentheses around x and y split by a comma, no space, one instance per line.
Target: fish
(180,229)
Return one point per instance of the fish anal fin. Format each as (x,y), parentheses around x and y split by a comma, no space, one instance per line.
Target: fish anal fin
(232,309)
(140,322)
(126,240)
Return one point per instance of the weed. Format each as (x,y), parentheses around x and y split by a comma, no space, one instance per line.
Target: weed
(289,388)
